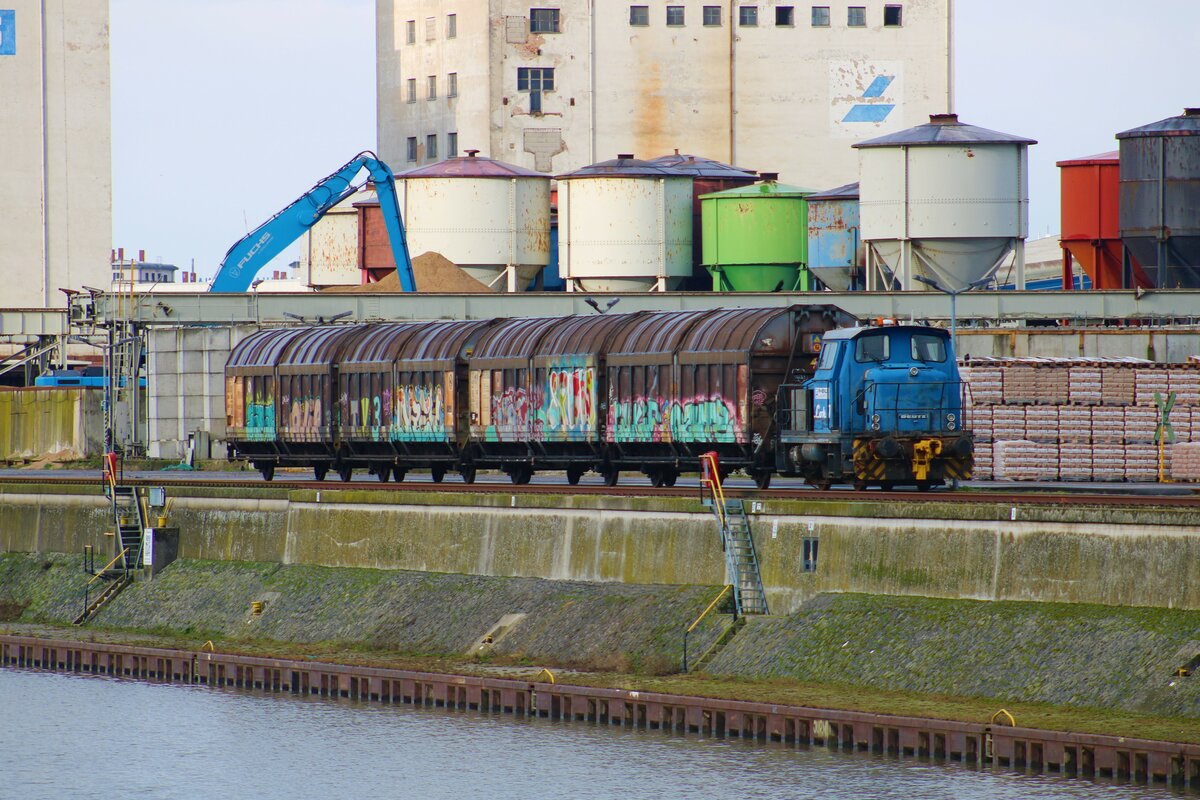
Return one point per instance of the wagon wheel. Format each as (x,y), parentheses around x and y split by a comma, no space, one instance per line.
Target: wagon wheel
(824,484)
(611,476)
(656,477)
(398,473)
(762,478)
(468,473)
(383,472)
(520,474)
(573,475)
(670,475)
(320,471)
(345,472)
(437,472)
(267,470)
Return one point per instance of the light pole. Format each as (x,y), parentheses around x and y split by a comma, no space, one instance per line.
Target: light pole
(953,293)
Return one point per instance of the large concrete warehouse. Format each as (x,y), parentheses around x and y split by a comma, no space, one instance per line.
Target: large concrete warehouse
(767,85)
(56,154)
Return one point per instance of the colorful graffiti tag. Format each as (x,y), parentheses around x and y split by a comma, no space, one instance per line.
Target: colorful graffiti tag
(655,419)
(260,418)
(419,413)
(510,416)
(566,410)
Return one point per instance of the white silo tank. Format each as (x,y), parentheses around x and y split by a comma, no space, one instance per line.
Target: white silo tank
(490,218)
(946,201)
(624,226)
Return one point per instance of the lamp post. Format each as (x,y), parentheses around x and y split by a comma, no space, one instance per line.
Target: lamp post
(953,293)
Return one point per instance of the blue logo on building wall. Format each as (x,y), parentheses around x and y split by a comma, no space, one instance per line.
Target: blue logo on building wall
(872,112)
(8,32)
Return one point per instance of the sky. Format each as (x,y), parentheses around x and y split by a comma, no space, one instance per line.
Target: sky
(224,111)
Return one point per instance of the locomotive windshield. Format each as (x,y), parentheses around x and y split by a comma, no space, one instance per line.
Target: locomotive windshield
(872,348)
(828,355)
(926,347)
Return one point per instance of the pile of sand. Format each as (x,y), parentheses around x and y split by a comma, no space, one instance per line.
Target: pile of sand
(433,273)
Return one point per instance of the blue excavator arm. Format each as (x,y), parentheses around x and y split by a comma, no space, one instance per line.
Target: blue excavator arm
(252,253)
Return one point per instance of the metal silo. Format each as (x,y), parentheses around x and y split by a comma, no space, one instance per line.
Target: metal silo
(490,218)
(756,237)
(708,176)
(836,254)
(1160,198)
(624,226)
(1091,229)
(944,201)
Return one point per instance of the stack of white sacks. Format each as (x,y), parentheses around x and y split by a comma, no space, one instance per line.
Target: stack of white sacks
(1081,419)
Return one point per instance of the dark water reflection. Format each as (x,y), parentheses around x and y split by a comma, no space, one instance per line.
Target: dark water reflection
(69,736)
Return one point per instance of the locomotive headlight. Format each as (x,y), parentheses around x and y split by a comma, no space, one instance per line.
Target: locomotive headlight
(875,419)
(950,426)
(950,417)
(875,425)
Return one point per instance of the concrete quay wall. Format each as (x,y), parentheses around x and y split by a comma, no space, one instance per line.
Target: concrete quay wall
(1129,557)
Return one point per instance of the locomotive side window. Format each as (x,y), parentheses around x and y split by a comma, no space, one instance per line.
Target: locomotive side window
(828,355)
(872,348)
(928,348)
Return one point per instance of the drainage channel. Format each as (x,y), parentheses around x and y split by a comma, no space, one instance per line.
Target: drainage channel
(1040,751)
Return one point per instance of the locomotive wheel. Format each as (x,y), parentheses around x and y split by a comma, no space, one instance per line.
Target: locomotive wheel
(824,484)
(611,476)
(320,471)
(345,472)
(468,473)
(670,476)
(886,486)
(924,486)
(267,470)
(437,472)
(860,486)
(762,478)
(573,475)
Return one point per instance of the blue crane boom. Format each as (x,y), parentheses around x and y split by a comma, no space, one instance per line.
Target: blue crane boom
(257,248)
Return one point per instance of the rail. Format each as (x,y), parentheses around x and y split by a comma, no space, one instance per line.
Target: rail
(728,588)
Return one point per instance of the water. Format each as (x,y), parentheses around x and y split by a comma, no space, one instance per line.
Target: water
(71,736)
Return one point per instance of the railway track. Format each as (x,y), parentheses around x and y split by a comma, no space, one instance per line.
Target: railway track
(1041,496)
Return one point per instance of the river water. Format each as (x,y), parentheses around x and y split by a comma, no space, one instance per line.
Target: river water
(72,736)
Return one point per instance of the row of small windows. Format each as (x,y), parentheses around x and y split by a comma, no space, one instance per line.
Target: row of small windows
(785,16)
(431,146)
(431,87)
(410,29)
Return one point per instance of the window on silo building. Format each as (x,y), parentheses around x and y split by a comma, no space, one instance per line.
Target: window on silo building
(748,16)
(430,28)
(451,26)
(820,16)
(452,84)
(856,16)
(451,145)
(543,20)
(785,16)
(639,15)
(675,16)
(410,32)
(411,153)
(431,86)
(712,16)
(431,146)
(412,90)
(893,16)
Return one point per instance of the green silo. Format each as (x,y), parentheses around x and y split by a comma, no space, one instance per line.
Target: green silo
(756,237)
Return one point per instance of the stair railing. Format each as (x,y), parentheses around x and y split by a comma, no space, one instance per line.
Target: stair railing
(699,619)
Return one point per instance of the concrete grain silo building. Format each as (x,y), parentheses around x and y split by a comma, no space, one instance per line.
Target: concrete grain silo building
(55,150)
(767,85)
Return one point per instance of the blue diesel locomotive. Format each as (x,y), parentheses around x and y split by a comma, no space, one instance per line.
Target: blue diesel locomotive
(883,407)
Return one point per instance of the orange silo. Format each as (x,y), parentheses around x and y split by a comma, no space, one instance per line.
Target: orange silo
(1091,225)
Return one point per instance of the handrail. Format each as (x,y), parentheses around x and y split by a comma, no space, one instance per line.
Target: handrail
(703,614)
(100,574)
(711,606)
(713,482)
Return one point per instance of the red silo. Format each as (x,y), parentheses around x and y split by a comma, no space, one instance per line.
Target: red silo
(1091,225)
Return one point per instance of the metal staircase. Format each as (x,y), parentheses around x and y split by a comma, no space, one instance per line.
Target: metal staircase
(741,560)
(130,517)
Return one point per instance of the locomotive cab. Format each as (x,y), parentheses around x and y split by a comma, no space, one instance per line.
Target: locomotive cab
(886,409)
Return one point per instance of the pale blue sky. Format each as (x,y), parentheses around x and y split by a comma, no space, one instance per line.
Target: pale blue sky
(224,111)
